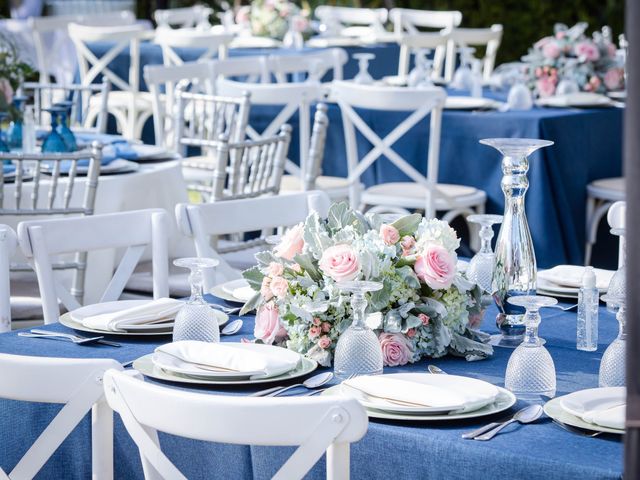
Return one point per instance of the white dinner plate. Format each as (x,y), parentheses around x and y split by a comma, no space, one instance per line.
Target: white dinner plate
(232,285)
(571,276)
(618,95)
(145,366)
(576,100)
(553,409)
(545,287)
(221,291)
(458,385)
(595,405)
(503,401)
(469,103)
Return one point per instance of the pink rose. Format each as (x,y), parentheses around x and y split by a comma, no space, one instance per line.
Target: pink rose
(396,349)
(424,319)
(546,86)
(551,50)
(268,327)
(613,79)
(276,269)
(538,72)
(279,287)
(389,234)
(340,262)
(6,90)
(291,244)
(436,267)
(326,327)
(587,50)
(411,332)
(314,331)
(265,289)
(407,244)
(296,268)
(316,321)
(324,342)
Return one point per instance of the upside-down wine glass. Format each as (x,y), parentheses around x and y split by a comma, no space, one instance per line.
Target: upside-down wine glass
(420,76)
(519,97)
(463,76)
(358,350)
(515,271)
(618,283)
(612,365)
(196,320)
(63,127)
(531,372)
(363,77)
(482,265)
(568,84)
(53,142)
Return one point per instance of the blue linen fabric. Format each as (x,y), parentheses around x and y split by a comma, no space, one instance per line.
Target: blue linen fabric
(390,449)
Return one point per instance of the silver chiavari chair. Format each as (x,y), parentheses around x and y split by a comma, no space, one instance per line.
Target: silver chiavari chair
(316,147)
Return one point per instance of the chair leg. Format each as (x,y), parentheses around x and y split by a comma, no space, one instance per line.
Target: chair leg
(101,441)
(338,464)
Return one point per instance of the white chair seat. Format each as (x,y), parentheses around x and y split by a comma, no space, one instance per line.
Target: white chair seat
(412,195)
(607,189)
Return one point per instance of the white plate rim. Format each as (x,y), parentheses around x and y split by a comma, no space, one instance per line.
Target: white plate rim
(553,409)
(232,285)
(219,292)
(469,103)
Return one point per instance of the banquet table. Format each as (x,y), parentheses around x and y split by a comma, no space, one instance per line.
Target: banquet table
(429,450)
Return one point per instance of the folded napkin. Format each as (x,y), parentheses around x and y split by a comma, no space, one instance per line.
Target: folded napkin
(150,312)
(613,417)
(267,360)
(121,149)
(571,276)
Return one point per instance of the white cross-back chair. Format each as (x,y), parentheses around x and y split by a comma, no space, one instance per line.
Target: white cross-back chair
(50,35)
(314,424)
(186,17)
(8,243)
(412,20)
(213,44)
(616,219)
(309,64)
(423,192)
(351,21)
(133,231)
(82,115)
(436,41)
(601,194)
(131,107)
(249,69)
(75,383)
(489,38)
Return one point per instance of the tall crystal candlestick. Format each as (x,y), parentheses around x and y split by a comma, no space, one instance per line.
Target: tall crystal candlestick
(515,272)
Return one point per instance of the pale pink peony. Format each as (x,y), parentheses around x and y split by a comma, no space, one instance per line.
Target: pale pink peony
(276,269)
(551,50)
(279,287)
(436,267)
(265,289)
(291,244)
(6,90)
(268,327)
(340,262)
(611,50)
(396,349)
(546,86)
(324,342)
(389,234)
(314,332)
(613,79)
(587,50)
(424,319)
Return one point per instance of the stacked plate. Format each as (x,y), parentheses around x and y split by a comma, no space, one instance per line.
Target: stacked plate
(424,396)
(223,363)
(566,280)
(237,291)
(596,409)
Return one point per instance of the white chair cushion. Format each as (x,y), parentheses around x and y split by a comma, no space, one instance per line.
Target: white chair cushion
(607,189)
(412,195)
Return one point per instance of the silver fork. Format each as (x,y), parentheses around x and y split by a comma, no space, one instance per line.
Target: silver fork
(76,340)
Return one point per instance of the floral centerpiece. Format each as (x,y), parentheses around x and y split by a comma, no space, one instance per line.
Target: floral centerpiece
(271,18)
(425,308)
(591,62)
(12,73)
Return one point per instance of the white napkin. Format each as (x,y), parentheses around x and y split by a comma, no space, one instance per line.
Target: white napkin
(267,360)
(151,312)
(609,417)
(571,276)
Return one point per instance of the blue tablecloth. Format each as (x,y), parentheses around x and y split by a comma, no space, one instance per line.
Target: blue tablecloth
(389,450)
(588,146)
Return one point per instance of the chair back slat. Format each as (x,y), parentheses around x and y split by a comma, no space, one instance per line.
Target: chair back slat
(186,17)
(316,149)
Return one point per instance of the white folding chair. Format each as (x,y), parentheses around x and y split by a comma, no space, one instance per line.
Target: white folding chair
(131,107)
(186,17)
(350,21)
(134,231)
(601,195)
(411,20)
(423,192)
(203,221)
(489,38)
(213,44)
(616,217)
(436,41)
(8,243)
(75,383)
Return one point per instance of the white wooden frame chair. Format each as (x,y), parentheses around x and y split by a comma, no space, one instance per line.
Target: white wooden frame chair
(215,45)
(423,192)
(82,115)
(75,383)
(133,231)
(436,41)
(207,221)
(131,107)
(411,20)
(616,217)
(8,244)
(186,17)
(315,424)
(352,21)
(601,195)
(490,38)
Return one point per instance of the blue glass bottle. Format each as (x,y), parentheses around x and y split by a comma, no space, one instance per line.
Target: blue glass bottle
(63,126)
(53,142)
(4,147)
(14,133)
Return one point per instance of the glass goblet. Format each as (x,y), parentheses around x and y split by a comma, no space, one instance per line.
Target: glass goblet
(63,127)
(196,320)
(363,77)
(420,76)
(531,372)
(463,76)
(482,265)
(53,142)
(618,283)
(612,365)
(358,350)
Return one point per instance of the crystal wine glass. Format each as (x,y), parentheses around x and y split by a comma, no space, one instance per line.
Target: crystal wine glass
(363,77)
(482,265)
(618,283)
(612,365)
(63,126)
(420,76)
(531,372)
(53,142)
(196,320)
(463,76)
(358,351)
(519,97)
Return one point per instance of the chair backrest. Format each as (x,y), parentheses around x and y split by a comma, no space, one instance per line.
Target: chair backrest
(212,44)
(487,37)
(250,69)
(74,382)
(50,34)
(316,149)
(8,243)
(418,103)
(436,41)
(340,16)
(133,230)
(616,218)
(310,64)
(314,424)
(186,17)
(47,94)
(163,82)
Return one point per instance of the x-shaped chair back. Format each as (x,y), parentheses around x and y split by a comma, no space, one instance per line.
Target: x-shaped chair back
(488,37)
(419,102)
(213,44)
(339,16)
(186,17)
(436,41)
(77,384)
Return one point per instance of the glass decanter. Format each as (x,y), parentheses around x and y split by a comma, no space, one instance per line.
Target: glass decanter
(612,365)
(358,350)
(515,270)
(63,126)
(196,320)
(420,76)
(482,265)
(363,77)
(618,283)
(14,132)
(531,372)
(53,142)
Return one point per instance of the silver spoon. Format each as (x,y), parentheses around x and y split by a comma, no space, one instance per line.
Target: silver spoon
(232,327)
(311,382)
(436,370)
(524,416)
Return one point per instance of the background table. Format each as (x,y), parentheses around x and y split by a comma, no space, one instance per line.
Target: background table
(390,449)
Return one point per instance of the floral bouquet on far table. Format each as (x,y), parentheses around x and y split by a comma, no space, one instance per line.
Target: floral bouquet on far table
(425,308)
(591,62)
(270,18)
(12,73)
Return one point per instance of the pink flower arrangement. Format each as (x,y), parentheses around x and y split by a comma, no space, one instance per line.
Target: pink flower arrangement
(396,349)
(389,234)
(551,50)
(340,262)
(436,267)
(613,79)
(268,327)
(279,287)
(546,86)
(291,244)
(587,50)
